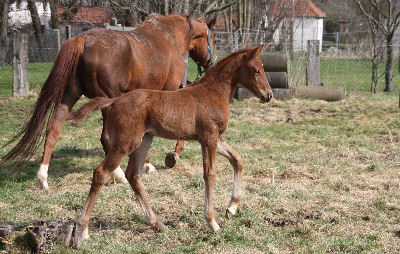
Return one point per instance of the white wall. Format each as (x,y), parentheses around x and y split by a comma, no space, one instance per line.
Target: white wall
(307,28)
(21,16)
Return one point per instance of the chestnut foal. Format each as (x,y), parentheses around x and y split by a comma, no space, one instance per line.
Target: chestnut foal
(198,112)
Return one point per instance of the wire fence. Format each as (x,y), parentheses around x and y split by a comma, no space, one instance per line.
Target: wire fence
(343,62)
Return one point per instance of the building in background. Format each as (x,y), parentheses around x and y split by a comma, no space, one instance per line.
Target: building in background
(307,22)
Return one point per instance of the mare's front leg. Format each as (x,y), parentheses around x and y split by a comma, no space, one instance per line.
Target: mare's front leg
(134,174)
(118,174)
(236,161)
(209,150)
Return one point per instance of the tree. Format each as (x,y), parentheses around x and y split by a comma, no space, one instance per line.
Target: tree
(54,16)
(332,25)
(385,15)
(4,18)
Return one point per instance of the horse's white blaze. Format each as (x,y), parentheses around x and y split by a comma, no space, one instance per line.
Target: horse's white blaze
(119,175)
(42,176)
(149,168)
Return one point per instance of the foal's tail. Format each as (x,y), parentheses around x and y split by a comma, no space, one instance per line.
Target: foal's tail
(32,135)
(86,110)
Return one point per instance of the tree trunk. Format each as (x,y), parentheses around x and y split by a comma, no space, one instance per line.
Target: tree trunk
(54,16)
(186,8)
(4,18)
(178,7)
(374,77)
(37,27)
(166,7)
(389,66)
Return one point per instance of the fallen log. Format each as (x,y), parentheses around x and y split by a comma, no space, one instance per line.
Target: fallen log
(327,93)
(41,235)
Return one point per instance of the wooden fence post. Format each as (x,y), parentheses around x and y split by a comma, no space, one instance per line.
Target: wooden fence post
(312,69)
(185,59)
(56,36)
(20,65)
(68,32)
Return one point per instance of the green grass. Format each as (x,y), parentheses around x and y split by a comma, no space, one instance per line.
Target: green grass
(353,75)
(326,183)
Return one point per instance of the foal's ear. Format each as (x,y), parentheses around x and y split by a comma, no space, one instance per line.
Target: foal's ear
(212,22)
(254,52)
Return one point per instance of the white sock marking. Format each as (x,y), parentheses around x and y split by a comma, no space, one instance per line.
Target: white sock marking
(42,176)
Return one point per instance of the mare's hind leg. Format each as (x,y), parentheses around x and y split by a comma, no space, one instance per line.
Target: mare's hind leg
(53,134)
(171,158)
(118,174)
(134,175)
(100,175)
(234,158)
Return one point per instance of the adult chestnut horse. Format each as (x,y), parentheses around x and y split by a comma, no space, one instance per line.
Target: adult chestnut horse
(106,63)
(199,112)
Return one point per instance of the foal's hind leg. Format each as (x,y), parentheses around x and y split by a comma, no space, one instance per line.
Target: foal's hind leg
(134,175)
(118,174)
(234,158)
(53,134)
(100,175)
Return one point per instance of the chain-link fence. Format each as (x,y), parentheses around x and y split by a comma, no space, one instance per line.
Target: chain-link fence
(345,60)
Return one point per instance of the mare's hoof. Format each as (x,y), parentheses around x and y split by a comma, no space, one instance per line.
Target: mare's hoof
(170,159)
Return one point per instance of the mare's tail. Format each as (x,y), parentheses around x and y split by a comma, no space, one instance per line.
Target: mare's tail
(86,110)
(32,134)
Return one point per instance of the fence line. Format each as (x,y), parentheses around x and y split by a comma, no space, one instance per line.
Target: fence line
(346,65)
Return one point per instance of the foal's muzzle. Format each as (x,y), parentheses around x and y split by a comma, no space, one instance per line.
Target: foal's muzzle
(266,98)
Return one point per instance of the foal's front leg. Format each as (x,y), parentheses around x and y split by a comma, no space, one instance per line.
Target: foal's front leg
(134,175)
(236,161)
(209,151)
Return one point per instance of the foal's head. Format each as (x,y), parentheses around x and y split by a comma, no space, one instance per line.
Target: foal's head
(201,48)
(251,75)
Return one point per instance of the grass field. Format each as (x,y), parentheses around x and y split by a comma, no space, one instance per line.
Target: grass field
(326,182)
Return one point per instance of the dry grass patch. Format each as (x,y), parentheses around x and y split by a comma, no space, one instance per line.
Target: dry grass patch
(318,177)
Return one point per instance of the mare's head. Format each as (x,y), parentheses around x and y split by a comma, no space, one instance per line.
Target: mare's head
(251,75)
(201,45)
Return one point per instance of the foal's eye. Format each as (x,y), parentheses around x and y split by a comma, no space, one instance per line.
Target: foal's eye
(257,71)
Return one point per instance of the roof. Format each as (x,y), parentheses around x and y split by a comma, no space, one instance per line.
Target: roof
(93,15)
(302,8)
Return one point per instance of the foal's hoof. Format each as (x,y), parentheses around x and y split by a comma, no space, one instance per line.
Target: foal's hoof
(228,214)
(75,233)
(159,227)
(149,168)
(43,185)
(170,159)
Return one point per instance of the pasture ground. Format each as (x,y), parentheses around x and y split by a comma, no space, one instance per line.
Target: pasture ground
(327,181)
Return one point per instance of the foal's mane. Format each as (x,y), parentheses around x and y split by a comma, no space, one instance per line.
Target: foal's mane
(214,73)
